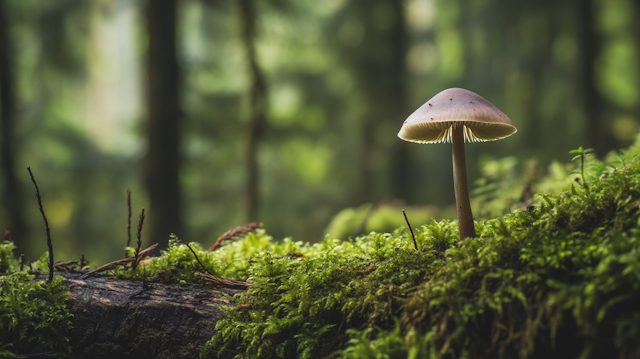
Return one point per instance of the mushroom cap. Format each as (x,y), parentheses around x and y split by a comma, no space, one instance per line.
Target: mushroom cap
(433,122)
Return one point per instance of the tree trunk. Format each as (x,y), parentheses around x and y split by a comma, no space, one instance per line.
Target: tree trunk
(12,202)
(126,319)
(258,111)
(401,171)
(163,156)
(598,132)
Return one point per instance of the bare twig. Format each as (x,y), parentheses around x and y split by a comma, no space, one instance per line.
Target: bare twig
(415,244)
(198,259)
(224,282)
(83,262)
(126,254)
(46,224)
(121,262)
(134,264)
(234,234)
(7,235)
(21,262)
(68,265)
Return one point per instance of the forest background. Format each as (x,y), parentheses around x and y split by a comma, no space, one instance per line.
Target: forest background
(216,113)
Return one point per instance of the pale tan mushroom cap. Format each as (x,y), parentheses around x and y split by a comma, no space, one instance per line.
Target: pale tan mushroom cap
(433,121)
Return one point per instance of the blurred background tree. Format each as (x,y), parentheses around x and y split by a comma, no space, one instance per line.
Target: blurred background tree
(286,112)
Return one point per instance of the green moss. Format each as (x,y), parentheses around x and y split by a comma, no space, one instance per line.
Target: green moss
(563,275)
(34,317)
(8,262)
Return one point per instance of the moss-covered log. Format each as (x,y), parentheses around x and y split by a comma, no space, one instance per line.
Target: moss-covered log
(115,318)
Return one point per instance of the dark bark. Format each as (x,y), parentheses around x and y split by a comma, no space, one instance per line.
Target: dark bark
(163,127)
(123,319)
(11,191)
(258,111)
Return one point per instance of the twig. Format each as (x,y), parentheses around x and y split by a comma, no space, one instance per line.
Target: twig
(224,282)
(120,262)
(68,265)
(139,244)
(126,254)
(82,262)
(415,244)
(7,235)
(46,224)
(198,259)
(21,262)
(234,234)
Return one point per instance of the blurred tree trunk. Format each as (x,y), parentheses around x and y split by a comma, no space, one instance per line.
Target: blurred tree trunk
(11,191)
(401,165)
(598,131)
(163,157)
(257,114)
(379,64)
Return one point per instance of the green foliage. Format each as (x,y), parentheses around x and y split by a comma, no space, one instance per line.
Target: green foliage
(34,317)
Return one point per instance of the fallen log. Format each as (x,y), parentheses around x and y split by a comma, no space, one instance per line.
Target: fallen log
(134,319)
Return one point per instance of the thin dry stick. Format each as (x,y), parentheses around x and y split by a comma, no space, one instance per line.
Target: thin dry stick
(126,254)
(120,262)
(139,244)
(21,262)
(224,282)
(46,224)
(7,234)
(82,262)
(415,244)
(198,259)
(234,234)
(65,265)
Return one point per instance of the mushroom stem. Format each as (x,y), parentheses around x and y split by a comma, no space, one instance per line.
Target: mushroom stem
(463,206)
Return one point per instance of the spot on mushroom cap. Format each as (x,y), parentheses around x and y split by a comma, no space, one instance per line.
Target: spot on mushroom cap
(433,122)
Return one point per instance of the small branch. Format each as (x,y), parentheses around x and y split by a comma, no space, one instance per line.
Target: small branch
(7,235)
(198,259)
(139,244)
(46,224)
(224,282)
(67,266)
(415,244)
(121,262)
(234,234)
(21,262)
(128,221)
(83,262)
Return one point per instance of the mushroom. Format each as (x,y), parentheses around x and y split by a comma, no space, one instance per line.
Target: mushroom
(457,115)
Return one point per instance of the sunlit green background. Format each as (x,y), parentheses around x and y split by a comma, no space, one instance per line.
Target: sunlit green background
(341,77)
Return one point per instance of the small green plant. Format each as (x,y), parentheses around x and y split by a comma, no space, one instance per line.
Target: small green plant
(581,154)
